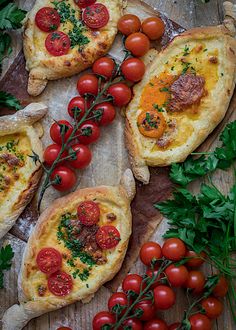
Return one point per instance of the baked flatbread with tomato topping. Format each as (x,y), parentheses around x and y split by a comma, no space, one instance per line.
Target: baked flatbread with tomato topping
(62,38)
(183,96)
(19,175)
(78,244)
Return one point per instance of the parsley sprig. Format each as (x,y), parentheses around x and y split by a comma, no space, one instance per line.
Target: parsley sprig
(6,255)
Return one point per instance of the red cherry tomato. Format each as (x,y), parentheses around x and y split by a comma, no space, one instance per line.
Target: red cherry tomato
(47,19)
(57,43)
(132,282)
(148,310)
(133,69)
(153,27)
(51,152)
(128,24)
(173,249)
(107,111)
(64,328)
(103,318)
(174,326)
(104,66)
(87,84)
(156,324)
(88,213)
(196,259)
(164,297)
(213,307)
(84,3)
(150,272)
(49,260)
(121,94)
(221,288)
(66,177)
(89,132)
(138,44)
(118,298)
(133,324)
(177,276)
(195,281)
(200,322)
(83,156)
(107,237)
(76,107)
(57,129)
(96,16)
(60,283)
(150,252)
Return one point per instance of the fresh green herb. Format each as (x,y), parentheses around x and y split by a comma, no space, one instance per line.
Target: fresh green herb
(186,67)
(158,108)
(9,101)
(151,84)
(205,50)
(172,68)
(164,89)
(76,36)
(6,255)
(186,51)
(11,17)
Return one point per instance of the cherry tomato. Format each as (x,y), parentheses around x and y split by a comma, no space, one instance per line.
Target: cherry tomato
(60,283)
(108,113)
(133,324)
(49,260)
(64,328)
(195,261)
(148,310)
(133,69)
(164,297)
(174,326)
(157,282)
(150,252)
(153,27)
(76,107)
(96,16)
(132,282)
(121,94)
(128,24)
(51,153)
(47,19)
(200,322)
(84,3)
(66,176)
(104,66)
(118,298)
(156,324)
(213,307)
(195,281)
(88,213)
(177,276)
(221,288)
(87,84)
(174,249)
(89,132)
(103,318)
(83,156)
(57,43)
(107,237)
(138,44)
(57,129)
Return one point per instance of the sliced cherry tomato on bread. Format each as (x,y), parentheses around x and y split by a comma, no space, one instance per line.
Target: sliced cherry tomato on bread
(107,237)
(84,3)
(96,16)
(60,283)
(47,19)
(57,43)
(88,213)
(49,260)
(151,124)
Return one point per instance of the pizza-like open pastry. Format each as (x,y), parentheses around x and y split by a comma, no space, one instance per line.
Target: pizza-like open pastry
(78,244)
(64,37)
(183,96)
(19,175)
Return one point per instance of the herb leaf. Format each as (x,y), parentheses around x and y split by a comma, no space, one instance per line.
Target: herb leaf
(6,255)
(9,101)
(11,17)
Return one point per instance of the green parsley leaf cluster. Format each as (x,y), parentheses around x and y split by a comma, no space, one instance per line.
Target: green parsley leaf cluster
(6,255)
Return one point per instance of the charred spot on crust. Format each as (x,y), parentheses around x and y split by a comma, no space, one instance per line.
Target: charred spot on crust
(213,59)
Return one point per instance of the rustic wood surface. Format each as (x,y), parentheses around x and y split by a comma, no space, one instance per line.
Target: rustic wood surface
(188,13)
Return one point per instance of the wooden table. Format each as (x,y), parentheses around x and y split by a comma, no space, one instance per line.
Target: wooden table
(188,13)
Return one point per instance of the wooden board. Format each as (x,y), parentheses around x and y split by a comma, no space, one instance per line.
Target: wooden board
(78,317)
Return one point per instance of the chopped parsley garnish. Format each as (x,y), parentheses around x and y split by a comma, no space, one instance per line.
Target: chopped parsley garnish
(205,50)
(164,89)
(158,108)
(6,255)
(76,36)
(186,67)
(186,51)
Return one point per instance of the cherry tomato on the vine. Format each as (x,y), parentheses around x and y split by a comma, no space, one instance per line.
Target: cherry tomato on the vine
(200,322)
(196,259)
(150,252)
(153,272)
(88,132)
(76,107)
(57,43)
(51,152)
(132,282)
(212,306)
(104,66)
(177,275)
(103,318)
(107,237)
(118,298)
(174,326)
(133,69)
(174,249)
(153,27)
(66,176)
(107,113)
(138,44)
(121,94)
(128,24)
(88,213)
(133,323)
(148,310)
(83,156)
(155,324)
(221,288)
(57,129)
(87,85)
(47,19)
(195,281)
(164,297)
